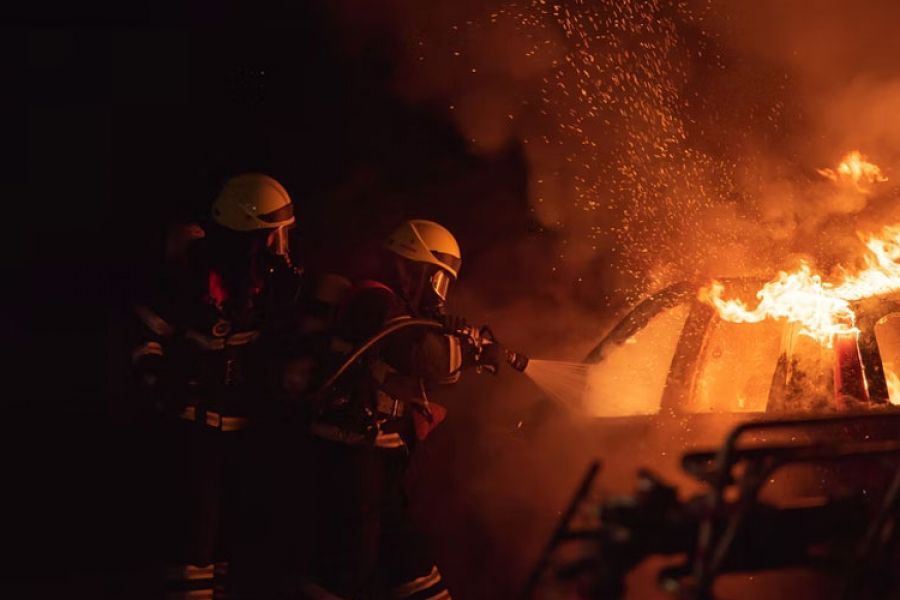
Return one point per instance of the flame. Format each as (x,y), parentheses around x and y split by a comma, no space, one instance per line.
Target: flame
(821,308)
(854,170)
(893,384)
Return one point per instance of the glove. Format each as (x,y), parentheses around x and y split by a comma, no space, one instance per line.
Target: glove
(452,323)
(492,357)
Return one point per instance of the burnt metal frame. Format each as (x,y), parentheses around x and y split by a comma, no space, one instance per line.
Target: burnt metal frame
(683,369)
(713,544)
(715,468)
(680,380)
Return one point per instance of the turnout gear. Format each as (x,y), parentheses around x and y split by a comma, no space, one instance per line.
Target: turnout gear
(365,545)
(253,202)
(372,418)
(200,365)
(429,262)
(426,242)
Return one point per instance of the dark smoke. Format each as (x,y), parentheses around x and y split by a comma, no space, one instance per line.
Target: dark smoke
(664,140)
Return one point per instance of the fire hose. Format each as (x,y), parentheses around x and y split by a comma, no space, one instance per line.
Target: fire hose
(479,337)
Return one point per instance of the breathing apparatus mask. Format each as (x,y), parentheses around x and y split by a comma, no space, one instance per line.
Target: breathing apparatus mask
(424,286)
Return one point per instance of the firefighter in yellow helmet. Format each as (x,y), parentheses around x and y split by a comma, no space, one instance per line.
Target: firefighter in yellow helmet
(226,284)
(364,545)
(430,260)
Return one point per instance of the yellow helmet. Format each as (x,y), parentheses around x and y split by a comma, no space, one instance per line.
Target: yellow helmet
(253,201)
(428,242)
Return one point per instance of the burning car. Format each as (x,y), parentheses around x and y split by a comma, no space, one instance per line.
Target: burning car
(808,380)
(715,365)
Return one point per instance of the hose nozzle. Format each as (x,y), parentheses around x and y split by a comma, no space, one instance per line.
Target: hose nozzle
(517,360)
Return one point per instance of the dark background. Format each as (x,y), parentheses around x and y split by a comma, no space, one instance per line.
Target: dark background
(125,118)
(121,117)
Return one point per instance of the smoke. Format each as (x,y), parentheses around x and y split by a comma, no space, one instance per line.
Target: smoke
(663,141)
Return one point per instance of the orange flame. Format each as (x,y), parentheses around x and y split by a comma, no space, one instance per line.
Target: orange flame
(821,308)
(893,384)
(854,170)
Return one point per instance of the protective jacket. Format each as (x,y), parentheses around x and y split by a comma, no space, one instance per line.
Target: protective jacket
(202,364)
(198,325)
(383,399)
(364,544)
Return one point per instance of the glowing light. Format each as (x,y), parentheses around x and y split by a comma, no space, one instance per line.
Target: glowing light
(854,170)
(821,308)
(893,384)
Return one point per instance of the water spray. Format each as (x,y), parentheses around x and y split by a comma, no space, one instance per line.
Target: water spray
(563,381)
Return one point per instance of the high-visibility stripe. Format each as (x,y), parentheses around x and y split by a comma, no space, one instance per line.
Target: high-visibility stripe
(206,594)
(455,354)
(146,349)
(218,421)
(417,585)
(153,321)
(389,440)
(189,572)
(239,339)
(234,423)
(213,419)
(317,592)
(442,595)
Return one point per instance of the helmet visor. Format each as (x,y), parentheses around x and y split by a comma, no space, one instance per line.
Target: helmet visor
(285,213)
(440,283)
(454,262)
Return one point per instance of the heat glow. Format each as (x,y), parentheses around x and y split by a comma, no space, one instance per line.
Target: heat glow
(893,384)
(854,170)
(822,308)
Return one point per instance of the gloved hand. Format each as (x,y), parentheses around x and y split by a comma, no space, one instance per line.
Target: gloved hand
(453,323)
(492,357)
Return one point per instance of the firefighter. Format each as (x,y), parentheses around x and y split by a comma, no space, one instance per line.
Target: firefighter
(367,424)
(225,285)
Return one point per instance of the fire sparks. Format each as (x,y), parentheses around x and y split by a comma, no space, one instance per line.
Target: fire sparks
(854,170)
(821,308)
